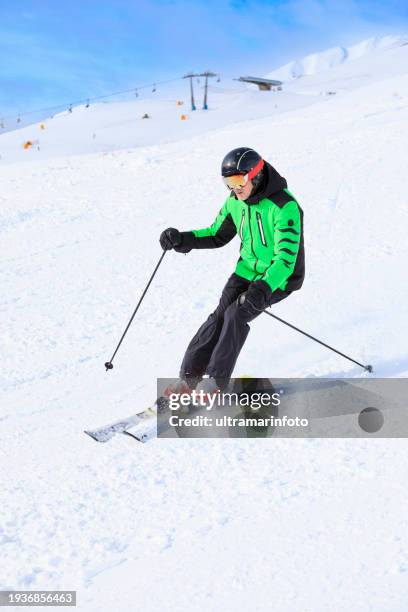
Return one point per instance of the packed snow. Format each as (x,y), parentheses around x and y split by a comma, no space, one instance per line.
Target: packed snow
(291,525)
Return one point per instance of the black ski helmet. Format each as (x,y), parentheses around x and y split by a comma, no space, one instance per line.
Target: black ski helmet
(242,161)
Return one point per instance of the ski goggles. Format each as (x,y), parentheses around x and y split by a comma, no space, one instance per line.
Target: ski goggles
(236,181)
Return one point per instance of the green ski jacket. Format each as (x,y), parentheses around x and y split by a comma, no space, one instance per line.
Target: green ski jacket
(270,227)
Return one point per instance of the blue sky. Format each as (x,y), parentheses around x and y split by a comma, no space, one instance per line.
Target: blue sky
(53,52)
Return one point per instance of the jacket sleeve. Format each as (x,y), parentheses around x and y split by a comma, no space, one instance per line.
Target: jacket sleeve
(216,235)
(287,235)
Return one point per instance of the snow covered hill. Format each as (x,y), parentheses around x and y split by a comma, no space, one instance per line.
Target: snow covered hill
(292,525)
(369,49)
(107,127)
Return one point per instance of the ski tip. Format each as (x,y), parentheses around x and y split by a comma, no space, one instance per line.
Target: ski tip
(142,438)
(94,437)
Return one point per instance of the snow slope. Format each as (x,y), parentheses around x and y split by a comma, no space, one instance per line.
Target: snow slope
(106,127)
(292,525)
(331,58)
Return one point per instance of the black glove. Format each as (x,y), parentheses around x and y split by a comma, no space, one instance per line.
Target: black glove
(258,295)
(182,242)
(170,238)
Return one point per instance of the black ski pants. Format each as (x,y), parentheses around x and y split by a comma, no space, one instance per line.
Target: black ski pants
(215,347)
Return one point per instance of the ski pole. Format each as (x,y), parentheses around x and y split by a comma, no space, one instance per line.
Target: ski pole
(369,368)
(109,364)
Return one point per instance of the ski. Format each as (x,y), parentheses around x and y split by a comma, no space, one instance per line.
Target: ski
(142,425)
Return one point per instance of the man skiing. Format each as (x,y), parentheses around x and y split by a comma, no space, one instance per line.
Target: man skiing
(269,222)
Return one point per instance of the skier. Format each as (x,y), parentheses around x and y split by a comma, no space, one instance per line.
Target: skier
(269,223)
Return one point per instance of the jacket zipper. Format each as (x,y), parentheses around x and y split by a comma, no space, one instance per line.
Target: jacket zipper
(241,227)
(261,230)
(252,241)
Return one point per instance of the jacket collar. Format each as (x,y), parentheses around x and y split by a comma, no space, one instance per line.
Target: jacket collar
(272,183)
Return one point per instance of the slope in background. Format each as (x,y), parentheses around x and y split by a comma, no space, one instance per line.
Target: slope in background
(106,127)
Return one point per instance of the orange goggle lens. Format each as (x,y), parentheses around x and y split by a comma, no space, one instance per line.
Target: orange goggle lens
(239,180)
(236,181)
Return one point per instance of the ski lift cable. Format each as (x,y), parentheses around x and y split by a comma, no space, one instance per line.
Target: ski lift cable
(89,100)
